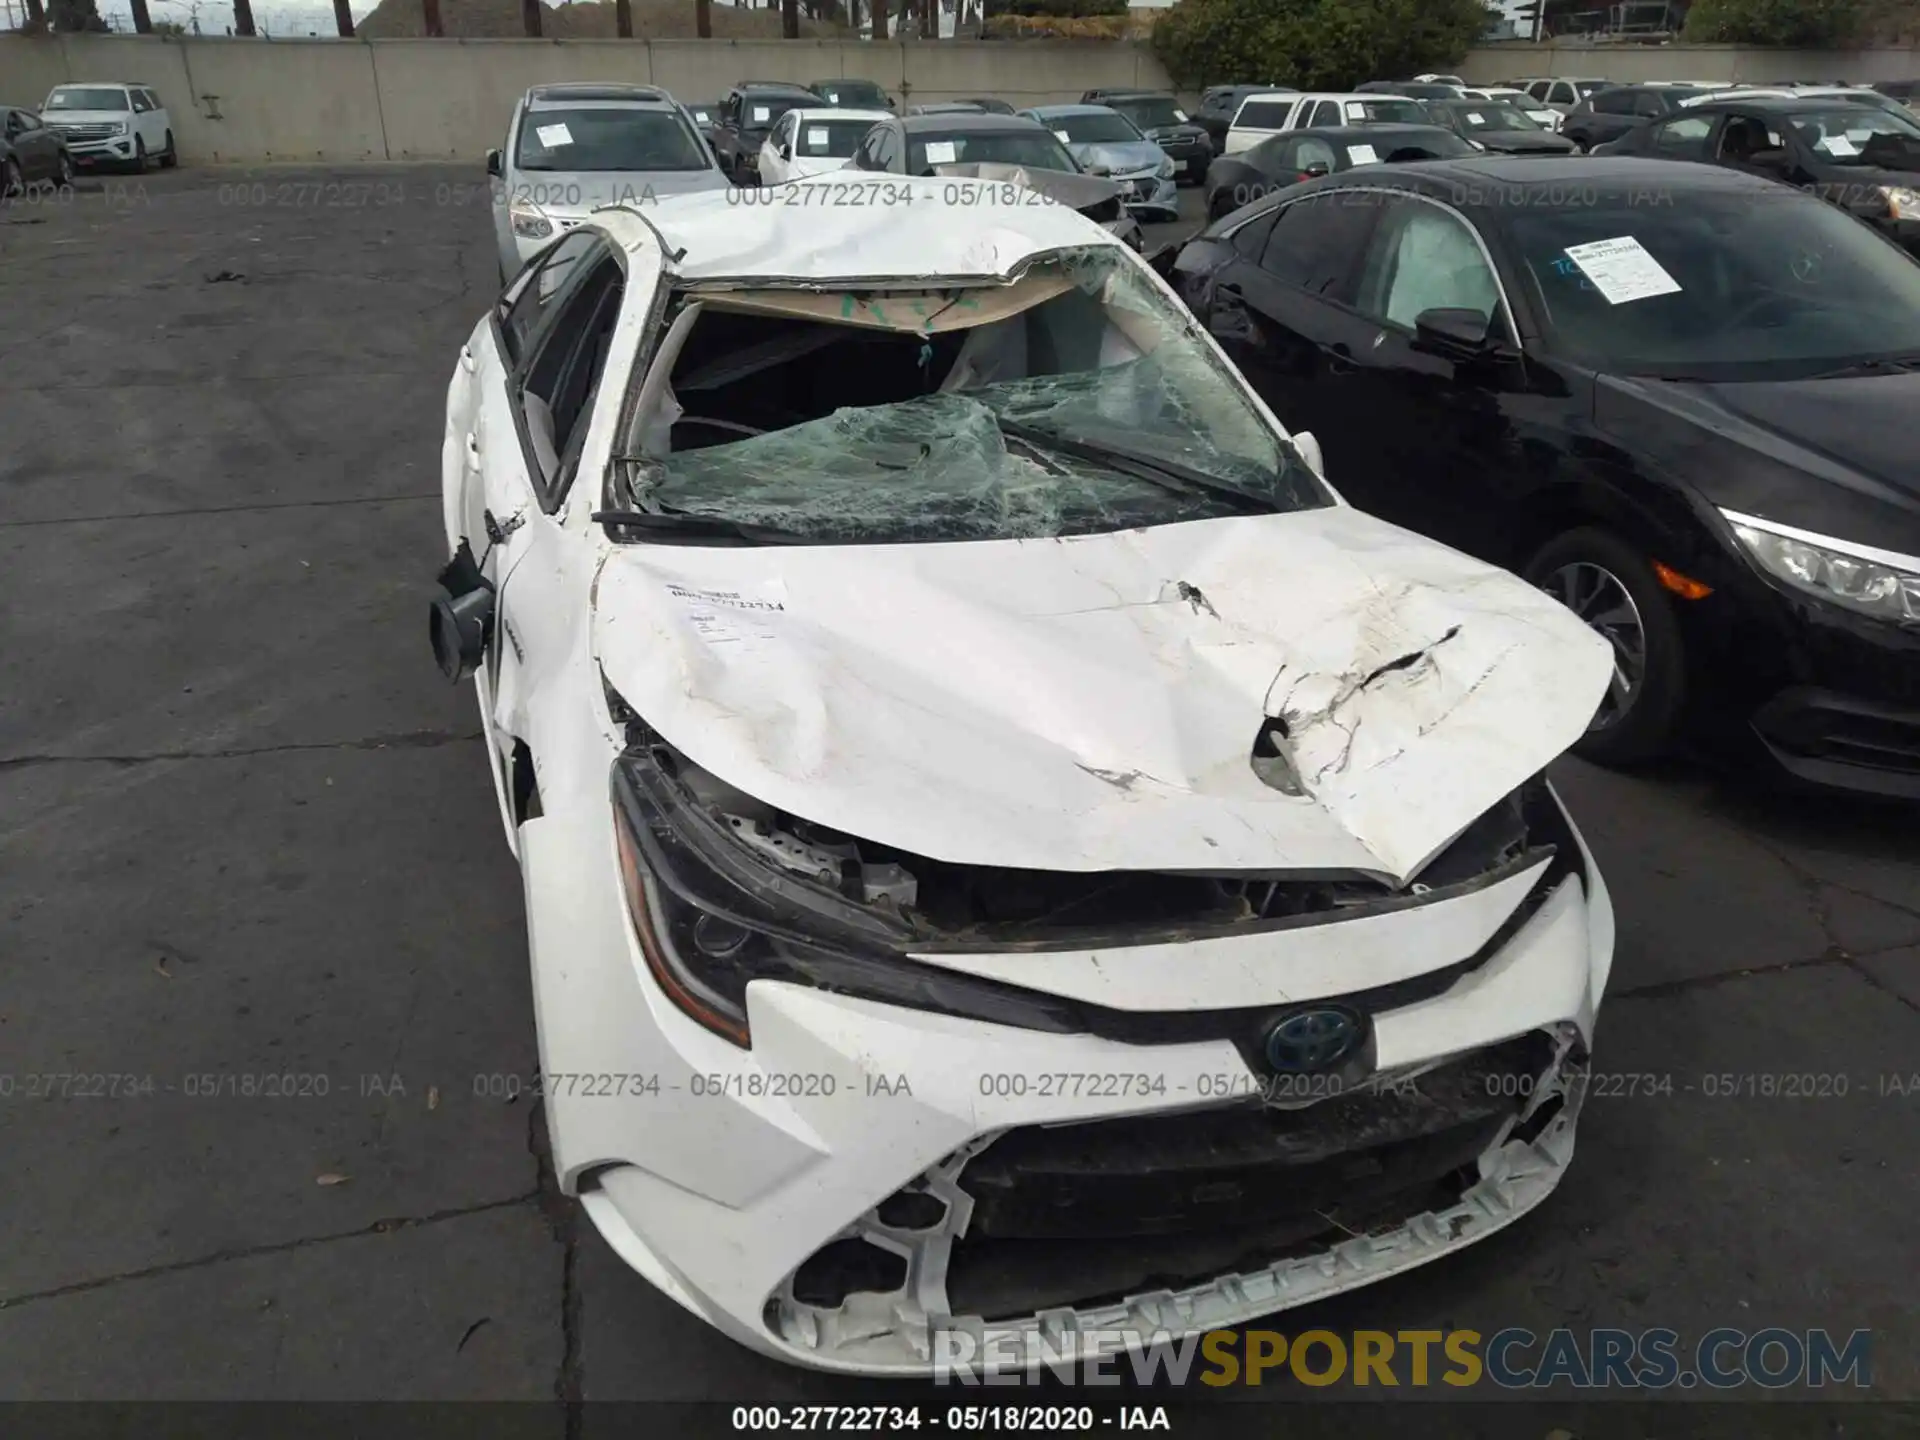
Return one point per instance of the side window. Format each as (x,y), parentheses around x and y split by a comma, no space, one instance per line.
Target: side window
(1562,94)
(889,149)
(1424,258)
(1310,152)
(1646,104)
(1685,134)
(1538,88)
(1315,240)
(1744,136)
(153,100)
(546,279)
(1615,102)
(15,122)
(1327,112)
(557,392)
(138,100)
(1250,240)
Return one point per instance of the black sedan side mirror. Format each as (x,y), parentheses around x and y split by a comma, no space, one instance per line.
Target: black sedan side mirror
(1316,170)
(1453,334)
(493,163)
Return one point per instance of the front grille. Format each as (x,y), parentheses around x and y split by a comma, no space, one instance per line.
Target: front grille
(87,132)
(1087,1213)
(1820,727)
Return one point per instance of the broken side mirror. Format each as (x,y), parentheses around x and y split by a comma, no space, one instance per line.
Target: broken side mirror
(1454,334)
(461,621)
(493,163)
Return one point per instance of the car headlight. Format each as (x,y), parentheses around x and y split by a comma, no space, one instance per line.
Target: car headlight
(711,916)
(529,221)
(1903,201)
(120,127)
(1165,172)
(1874,582)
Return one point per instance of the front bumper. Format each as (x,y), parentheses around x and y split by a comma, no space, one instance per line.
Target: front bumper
(1190,157)
(114,150)
(1832,698)
(1148,194)
(811,1196)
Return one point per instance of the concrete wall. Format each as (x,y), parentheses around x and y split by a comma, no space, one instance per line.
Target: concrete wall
(344,100)
(1730,63)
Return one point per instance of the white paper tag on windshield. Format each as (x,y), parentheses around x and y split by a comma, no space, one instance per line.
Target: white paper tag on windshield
(1839,145)
(762,114)
(942,152)
(553,136)
(817,136)
(1362,155)
(1474,117)
(1062,136)
(741,620)
(1180,117)
(1622,270)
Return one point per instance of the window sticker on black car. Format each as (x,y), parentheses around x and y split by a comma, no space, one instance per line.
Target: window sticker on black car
(1622,270)
(1362,155)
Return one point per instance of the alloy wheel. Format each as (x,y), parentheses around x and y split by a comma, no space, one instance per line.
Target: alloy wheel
(1598,597)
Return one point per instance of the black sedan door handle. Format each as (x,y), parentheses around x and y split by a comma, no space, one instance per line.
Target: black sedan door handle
(1339,360)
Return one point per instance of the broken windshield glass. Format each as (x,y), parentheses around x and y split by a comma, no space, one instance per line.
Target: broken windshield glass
(1074,400)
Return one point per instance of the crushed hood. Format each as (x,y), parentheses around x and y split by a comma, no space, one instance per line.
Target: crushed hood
(1092,703)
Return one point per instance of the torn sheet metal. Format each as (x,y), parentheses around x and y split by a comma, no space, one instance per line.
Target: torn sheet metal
(1072,704)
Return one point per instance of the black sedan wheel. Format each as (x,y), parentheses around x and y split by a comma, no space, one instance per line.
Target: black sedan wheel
(63,171)
(11,180)
(1612,587)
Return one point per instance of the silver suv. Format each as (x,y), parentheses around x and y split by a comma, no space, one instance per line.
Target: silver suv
(573,148)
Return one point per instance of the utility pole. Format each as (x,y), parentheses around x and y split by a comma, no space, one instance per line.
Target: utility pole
(623,19)
(530,18)
(243,17)
(142,22)
(343,18)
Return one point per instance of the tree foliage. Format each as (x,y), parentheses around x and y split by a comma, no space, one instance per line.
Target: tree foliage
(1315,44)
(1800,24)
(73,16)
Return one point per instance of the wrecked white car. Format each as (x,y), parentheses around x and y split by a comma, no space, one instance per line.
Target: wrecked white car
(1004,844)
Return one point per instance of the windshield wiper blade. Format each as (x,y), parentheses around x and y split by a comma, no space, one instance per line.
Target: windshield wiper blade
(1885,365)
(682,525)
(1165,473)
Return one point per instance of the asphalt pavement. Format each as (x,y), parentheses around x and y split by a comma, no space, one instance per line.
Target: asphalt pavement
(259,915)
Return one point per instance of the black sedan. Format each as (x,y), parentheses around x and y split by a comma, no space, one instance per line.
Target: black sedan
(30,152)
(1283,160)
(1606,115)
(1497,126)
(1864,159)
(1686,417)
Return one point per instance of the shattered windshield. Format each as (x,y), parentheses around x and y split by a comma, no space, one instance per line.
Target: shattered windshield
(1077,401)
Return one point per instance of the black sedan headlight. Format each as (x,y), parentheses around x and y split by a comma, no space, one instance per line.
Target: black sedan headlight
(1872,582)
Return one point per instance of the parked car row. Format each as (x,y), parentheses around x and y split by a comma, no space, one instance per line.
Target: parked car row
(95,125)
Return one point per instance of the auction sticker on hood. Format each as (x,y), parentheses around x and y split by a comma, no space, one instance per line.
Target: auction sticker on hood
(1622,270)
(553,136)
(747,620)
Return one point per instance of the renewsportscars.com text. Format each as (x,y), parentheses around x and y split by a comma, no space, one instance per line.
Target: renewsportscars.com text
(1511,1359)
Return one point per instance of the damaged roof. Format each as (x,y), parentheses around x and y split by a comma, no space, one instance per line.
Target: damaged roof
(858,226)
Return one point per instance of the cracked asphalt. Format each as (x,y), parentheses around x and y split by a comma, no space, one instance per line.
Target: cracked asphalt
(258,910)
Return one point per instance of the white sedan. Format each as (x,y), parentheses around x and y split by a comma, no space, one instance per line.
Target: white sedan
(809,142)
(1004,844)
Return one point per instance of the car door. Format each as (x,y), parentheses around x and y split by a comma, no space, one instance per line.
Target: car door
(1684,137)
(1434,451)
(775,148)
(155,120)
(29,143)
(1281,310)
